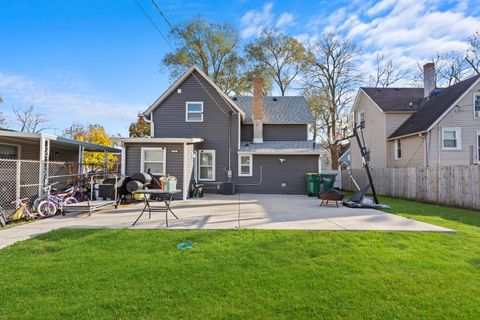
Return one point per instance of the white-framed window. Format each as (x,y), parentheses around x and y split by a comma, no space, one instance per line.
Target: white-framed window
(361,118)
(245,165)
(194,111)
(153,159)
(478,146)
(398,149)
(9,151)
(452,138)
(476,105)
(206,165)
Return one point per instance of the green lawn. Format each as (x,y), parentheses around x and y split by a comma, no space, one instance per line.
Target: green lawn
(133,274)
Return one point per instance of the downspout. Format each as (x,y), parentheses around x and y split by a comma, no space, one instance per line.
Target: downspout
(229,172)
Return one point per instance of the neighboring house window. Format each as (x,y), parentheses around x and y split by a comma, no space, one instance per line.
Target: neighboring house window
(361,119)
(153,159)
(206,165)
(478,146)
(476,102)
(194,111)
(451,138)
(398,149)
(8,151)
(245,165)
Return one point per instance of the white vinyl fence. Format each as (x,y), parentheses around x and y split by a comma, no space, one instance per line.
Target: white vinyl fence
(455,186)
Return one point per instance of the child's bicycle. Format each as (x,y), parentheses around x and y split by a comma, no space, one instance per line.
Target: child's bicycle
(22,213)
(54,203)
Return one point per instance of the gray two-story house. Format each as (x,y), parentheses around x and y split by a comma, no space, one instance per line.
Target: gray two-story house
(258,143)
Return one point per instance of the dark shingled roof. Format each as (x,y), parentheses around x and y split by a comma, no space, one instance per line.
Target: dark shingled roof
(395,99)
(278,110)
(432,108)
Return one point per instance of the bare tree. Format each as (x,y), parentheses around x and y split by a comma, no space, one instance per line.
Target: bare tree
(386,72)
(280,55)
(29,120)
(473,53)
(332,70)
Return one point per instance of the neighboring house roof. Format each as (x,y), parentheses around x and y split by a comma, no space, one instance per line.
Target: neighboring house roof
(433,109)
(180,81)
(280,147)
(278,110)
(395,99)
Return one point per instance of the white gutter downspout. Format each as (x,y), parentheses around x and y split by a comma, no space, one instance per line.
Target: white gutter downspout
(123,161)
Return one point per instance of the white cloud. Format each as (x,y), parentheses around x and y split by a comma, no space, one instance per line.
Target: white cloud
(285,20)
(64,102)
(255,21)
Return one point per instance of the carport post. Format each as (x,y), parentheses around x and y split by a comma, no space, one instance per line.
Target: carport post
(43,164)
(81,153)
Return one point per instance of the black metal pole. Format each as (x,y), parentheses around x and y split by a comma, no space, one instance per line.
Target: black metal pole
(367,167)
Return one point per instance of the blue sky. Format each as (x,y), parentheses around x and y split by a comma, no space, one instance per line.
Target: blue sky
(99,61)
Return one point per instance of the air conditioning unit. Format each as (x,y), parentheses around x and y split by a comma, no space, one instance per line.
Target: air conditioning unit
(477,114)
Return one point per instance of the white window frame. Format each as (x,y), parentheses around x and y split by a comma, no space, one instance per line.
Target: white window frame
(478,147)
(164,160)
(360,118)
(396,149)
(458,135)
(187,112)
(475,95)
(200,164)
(19,149)
(250,171)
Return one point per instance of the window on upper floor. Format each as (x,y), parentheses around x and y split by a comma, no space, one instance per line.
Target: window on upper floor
(398,149)
(361,119)
(476,105)
(451,138)
(194,111)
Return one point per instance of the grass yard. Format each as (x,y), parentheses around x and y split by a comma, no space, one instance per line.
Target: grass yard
(133,274)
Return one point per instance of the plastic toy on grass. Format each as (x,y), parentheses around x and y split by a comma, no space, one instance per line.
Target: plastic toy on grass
(185,246)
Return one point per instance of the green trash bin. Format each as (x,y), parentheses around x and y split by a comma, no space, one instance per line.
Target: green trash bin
(312,184)
(326,181)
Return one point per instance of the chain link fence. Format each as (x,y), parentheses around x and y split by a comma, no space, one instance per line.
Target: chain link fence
(22,178)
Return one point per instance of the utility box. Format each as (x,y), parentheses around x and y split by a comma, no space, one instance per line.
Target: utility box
(228,188)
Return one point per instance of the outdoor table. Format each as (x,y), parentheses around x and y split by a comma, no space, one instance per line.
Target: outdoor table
(166,197)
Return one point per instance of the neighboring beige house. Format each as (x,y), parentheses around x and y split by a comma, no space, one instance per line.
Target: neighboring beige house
(413,127)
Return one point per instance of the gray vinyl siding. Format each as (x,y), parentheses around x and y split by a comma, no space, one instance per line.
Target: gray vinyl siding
(277,132)
(169,122)
(274,173)
(28,151)
(174,159)
(458,117)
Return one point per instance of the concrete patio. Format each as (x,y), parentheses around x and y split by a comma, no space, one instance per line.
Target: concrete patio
(231,212)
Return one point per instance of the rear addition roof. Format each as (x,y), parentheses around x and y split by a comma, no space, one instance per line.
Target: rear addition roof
(396,99)
(433,108)
(280,147)
(278,110)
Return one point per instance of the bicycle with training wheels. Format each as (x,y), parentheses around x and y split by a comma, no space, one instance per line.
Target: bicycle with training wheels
(54,203)
(22,213)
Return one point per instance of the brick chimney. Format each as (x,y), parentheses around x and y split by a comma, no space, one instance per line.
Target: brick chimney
(257,110)
(429,81)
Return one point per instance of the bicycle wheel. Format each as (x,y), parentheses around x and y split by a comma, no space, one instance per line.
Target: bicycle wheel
(70,200)
(47,208)
(3,220)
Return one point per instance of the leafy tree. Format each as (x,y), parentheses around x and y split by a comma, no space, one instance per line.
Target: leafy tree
(96,134)
(332,70)
(213,47)
(280,55)
(140,128)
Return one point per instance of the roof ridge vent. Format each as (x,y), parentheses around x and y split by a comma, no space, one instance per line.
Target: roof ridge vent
(275,99)
(234,98)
